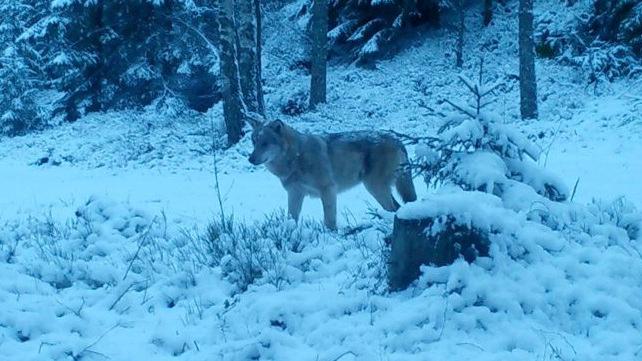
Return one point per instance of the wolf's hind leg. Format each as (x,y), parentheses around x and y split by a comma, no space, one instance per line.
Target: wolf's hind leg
(295,202)
(403,180)
(383,194)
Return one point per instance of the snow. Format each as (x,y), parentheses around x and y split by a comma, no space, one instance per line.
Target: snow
(372,46)
(61,59)
(98,255)
(561,292)
(342,29)
(481,170)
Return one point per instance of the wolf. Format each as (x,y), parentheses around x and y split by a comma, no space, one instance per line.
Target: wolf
(324,165)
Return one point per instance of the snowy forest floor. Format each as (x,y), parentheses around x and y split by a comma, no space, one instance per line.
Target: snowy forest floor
(116,169)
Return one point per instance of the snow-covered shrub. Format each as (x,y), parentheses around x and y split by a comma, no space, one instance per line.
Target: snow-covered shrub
(169,106)
(295,105)
(602,61)
(367,29)
(475,151)
(262,251)
(603,40)
(18,79)
(100,58)
(618,21)
(369,238)
(473,154)
(25,104)
(620,213)
(92,247)
(106,242)
(490,182)
(17,102)
(559,32)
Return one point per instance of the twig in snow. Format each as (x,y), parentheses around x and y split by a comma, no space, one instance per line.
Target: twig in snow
(570,345)
(443,324)
(121,296)
(75,312)
(145,299)
(575,189)
(79,357)
(350,231)
(216,182)
(87,349)
(550,146)
(471,344)
(345,354)
(43,343)
(143,238)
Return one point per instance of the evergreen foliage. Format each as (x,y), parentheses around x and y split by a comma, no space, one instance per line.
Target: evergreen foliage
(366,30)
(476,152)
(604,39)
(101,55)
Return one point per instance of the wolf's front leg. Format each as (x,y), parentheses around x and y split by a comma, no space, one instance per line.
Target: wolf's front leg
(329,200)
(295,201)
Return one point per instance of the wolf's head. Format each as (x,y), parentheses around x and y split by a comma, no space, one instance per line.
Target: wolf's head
(269,141)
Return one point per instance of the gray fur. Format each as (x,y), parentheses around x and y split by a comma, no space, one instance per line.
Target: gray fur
(324,165)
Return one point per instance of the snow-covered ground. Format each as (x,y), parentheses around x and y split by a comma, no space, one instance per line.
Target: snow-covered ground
(96,263)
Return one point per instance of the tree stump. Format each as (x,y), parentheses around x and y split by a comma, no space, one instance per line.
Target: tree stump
(437,241)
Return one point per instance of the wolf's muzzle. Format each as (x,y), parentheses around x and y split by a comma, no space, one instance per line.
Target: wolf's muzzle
(253,160)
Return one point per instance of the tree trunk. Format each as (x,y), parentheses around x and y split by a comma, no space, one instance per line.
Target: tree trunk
(319,53)
(259,52)
(488,12)
(95,72)
(527,80)
(248,41)
(233,105)
(461,29)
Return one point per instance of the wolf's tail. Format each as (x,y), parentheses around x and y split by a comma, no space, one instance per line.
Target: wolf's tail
(403,183)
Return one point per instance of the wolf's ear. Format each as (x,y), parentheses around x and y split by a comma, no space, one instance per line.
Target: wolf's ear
(254,121)
(278,125)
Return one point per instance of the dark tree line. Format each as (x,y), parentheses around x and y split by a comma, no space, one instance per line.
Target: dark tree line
(60,60)
(101,55)
(618,21)
(239,30)
(239,24)
(365,30)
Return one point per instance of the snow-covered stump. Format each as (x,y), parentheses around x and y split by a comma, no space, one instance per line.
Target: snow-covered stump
(412,247)
(435,232)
